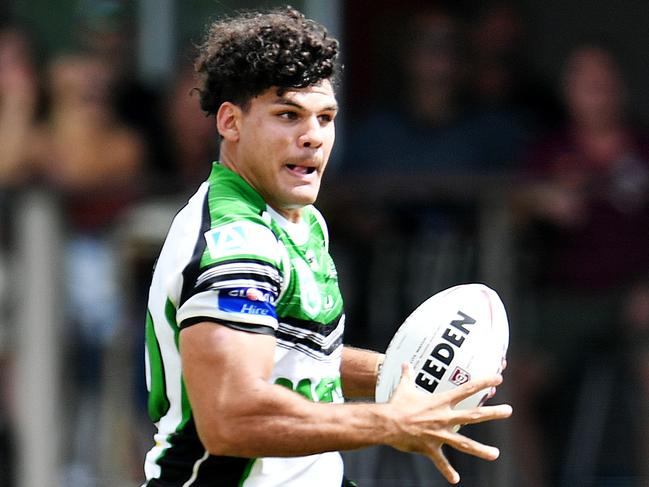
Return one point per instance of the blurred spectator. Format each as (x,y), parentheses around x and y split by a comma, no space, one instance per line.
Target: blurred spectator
(19,100)
(94,162)
(427,124)
(83,148)
(593,176)
(192,142)
(106,28)
(502,76)
(19,97)
(587,209)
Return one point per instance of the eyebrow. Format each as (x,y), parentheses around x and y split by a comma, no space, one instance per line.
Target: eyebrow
(284,101)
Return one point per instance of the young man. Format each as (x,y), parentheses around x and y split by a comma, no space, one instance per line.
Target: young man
(245,363)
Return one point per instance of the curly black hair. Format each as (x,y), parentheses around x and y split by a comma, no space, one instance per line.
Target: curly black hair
(243,56)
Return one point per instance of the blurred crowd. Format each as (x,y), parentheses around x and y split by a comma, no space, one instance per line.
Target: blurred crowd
(460,97)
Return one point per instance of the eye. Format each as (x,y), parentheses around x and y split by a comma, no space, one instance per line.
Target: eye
(288,115)
(326,118)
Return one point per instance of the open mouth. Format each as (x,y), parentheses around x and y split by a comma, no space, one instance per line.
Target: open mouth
(301,169)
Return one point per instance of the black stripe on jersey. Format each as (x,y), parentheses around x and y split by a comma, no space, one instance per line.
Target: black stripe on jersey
(312,335)
(291,341)
(272,284)
(324,329)
(193,268)
(236,325)
(178,462)
(243,261)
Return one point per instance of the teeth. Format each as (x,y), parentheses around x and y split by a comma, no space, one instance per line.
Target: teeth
(301,169)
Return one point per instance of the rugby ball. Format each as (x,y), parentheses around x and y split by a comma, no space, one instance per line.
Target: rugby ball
(456,335)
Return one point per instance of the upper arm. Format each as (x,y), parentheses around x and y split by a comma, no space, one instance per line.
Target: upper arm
(235,280)
(221,366)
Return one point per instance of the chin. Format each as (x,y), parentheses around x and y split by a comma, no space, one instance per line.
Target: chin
(302,196)
(301,202)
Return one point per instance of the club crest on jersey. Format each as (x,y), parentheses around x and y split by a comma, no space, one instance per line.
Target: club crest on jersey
(309,291)
(241,238)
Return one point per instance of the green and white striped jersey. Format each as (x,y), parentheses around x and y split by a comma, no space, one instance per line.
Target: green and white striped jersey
(231,259)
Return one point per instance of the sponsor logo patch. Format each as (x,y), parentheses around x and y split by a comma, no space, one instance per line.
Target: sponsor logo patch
(241,238)
(237,301)
(250,293)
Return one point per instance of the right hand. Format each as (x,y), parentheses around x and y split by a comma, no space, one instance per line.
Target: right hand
(425,422)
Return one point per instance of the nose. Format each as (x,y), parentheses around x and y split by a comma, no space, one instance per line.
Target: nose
(311,137)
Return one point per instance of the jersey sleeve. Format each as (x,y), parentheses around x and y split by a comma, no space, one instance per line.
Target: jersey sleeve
(238,280)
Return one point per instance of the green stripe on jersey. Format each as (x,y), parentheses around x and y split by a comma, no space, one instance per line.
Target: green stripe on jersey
(247,470)
(158,402)
(170,314)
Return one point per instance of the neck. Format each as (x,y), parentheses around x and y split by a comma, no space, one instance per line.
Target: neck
(227,160)
(294,215)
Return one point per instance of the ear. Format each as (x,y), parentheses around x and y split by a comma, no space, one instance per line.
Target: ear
(228,121)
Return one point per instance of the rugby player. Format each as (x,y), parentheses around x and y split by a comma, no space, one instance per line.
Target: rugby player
(246,367)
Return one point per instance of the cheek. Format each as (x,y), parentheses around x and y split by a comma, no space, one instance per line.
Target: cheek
(330,138)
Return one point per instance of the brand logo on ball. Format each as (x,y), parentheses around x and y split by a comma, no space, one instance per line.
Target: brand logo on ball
(441,356)
(459,376)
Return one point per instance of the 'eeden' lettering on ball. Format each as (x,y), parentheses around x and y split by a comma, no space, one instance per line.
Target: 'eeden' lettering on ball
(442,354)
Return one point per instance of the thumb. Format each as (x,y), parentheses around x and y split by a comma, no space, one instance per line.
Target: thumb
(406,372)
(405,382)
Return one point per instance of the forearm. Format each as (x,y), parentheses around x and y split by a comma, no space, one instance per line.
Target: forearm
(359,370)
(274,421)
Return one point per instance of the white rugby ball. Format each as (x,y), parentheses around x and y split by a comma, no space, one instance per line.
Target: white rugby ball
(458,334)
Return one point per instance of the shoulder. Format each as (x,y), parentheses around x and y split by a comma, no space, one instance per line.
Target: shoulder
(230,199)
(244,237)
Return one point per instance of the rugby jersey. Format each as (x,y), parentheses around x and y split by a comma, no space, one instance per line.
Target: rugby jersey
(231,259)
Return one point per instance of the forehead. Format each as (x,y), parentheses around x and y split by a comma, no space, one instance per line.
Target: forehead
(315,97)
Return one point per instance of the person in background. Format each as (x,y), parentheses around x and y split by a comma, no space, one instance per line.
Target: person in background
(92,161)
(191,133)
(427,123)
(107,29)
(19,100)
(584,205)
(501,76)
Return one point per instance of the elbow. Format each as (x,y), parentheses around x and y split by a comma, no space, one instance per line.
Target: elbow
(221,437)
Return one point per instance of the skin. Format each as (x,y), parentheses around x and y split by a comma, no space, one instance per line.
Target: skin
(281,145)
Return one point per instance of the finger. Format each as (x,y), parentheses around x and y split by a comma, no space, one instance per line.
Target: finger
(472,447)
(483,413)
(465,390)
(444,466)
